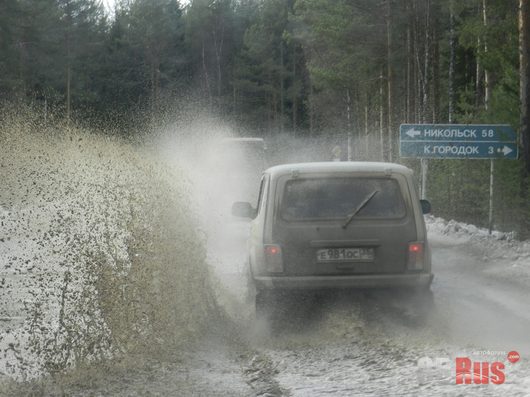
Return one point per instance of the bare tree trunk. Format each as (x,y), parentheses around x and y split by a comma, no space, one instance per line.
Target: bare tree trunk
(348,119)
(486,106)
(382,115)
(311,110)
(218,45)
(157,84)
(21,62)
(234,100)
(478,77)
(486,73)
(295,102)
(206,77)
(524,54)
(419,78)
(414,86)
(275,111)
(427,63)
(390,81)
(408,112)
(269,126)
(452,56)
(68,90)
(366,131)
(45,110)
(479,73)
(69,22)
(435,75)
(418,82)
(282,100)
(152,99)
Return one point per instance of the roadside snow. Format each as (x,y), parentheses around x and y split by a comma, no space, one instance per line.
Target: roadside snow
(501,254)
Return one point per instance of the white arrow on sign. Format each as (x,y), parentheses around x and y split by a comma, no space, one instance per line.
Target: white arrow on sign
(506,150)
(413,133)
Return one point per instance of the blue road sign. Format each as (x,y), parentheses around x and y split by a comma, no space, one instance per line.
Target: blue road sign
(472,141)
(469,150)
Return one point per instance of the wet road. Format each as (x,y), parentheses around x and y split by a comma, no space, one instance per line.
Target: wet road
(375,343)
(344,343)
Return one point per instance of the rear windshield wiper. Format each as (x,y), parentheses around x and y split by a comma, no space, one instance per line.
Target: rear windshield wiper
(350,217)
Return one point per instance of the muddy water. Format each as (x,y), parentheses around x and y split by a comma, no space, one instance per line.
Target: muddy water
(380,357)
(378,343)
(99,253)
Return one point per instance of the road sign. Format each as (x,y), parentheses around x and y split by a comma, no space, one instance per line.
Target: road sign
(467,141)
(455,150)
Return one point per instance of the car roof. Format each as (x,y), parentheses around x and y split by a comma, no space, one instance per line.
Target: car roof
(338,167)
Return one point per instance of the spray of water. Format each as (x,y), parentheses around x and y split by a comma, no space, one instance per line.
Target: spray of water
(101,254)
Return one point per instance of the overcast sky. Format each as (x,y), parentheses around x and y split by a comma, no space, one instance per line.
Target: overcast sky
(109,4)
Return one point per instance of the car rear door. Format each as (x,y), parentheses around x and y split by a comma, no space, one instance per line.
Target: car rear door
(311,224)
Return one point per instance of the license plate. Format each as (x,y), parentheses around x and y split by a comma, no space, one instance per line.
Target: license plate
(345,254)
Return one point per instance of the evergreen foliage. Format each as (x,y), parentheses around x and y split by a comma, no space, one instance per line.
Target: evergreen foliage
(305,67)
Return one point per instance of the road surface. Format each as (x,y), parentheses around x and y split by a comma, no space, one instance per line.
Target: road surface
(345,343)
(376,344)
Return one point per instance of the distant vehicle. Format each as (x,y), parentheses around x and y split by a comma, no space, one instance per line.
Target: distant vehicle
(242,162)
(337,225)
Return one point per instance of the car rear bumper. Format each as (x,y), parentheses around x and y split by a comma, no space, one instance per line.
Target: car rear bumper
(335,282)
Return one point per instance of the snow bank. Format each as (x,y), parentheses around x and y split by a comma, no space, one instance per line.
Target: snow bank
(456,229)
(501,253)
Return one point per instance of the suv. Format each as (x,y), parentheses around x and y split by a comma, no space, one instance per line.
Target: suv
(337,225)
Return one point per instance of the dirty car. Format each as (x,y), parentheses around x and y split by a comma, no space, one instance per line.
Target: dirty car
(337,225)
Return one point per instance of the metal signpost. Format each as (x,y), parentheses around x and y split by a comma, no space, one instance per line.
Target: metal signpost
(458,141)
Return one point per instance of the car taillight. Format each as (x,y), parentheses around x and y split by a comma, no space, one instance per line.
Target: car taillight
(273,258)
(416,256)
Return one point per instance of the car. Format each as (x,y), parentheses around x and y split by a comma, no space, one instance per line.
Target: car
(240,162)
(335,225)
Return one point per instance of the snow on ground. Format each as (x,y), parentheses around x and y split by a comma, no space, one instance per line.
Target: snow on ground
(501,254)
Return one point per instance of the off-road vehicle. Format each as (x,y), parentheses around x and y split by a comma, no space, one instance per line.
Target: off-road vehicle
(337,225)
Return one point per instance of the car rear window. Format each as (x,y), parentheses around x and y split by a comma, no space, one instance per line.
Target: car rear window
(331,198)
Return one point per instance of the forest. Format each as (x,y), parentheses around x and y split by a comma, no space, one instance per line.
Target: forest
(351,69)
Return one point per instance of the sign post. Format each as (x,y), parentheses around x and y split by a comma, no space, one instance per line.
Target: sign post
(424,168)
(458,141)
(490,216)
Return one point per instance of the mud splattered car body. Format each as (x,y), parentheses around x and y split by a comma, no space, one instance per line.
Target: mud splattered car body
(338,225)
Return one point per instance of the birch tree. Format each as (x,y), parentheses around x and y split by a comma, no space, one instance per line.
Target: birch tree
(524,75)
